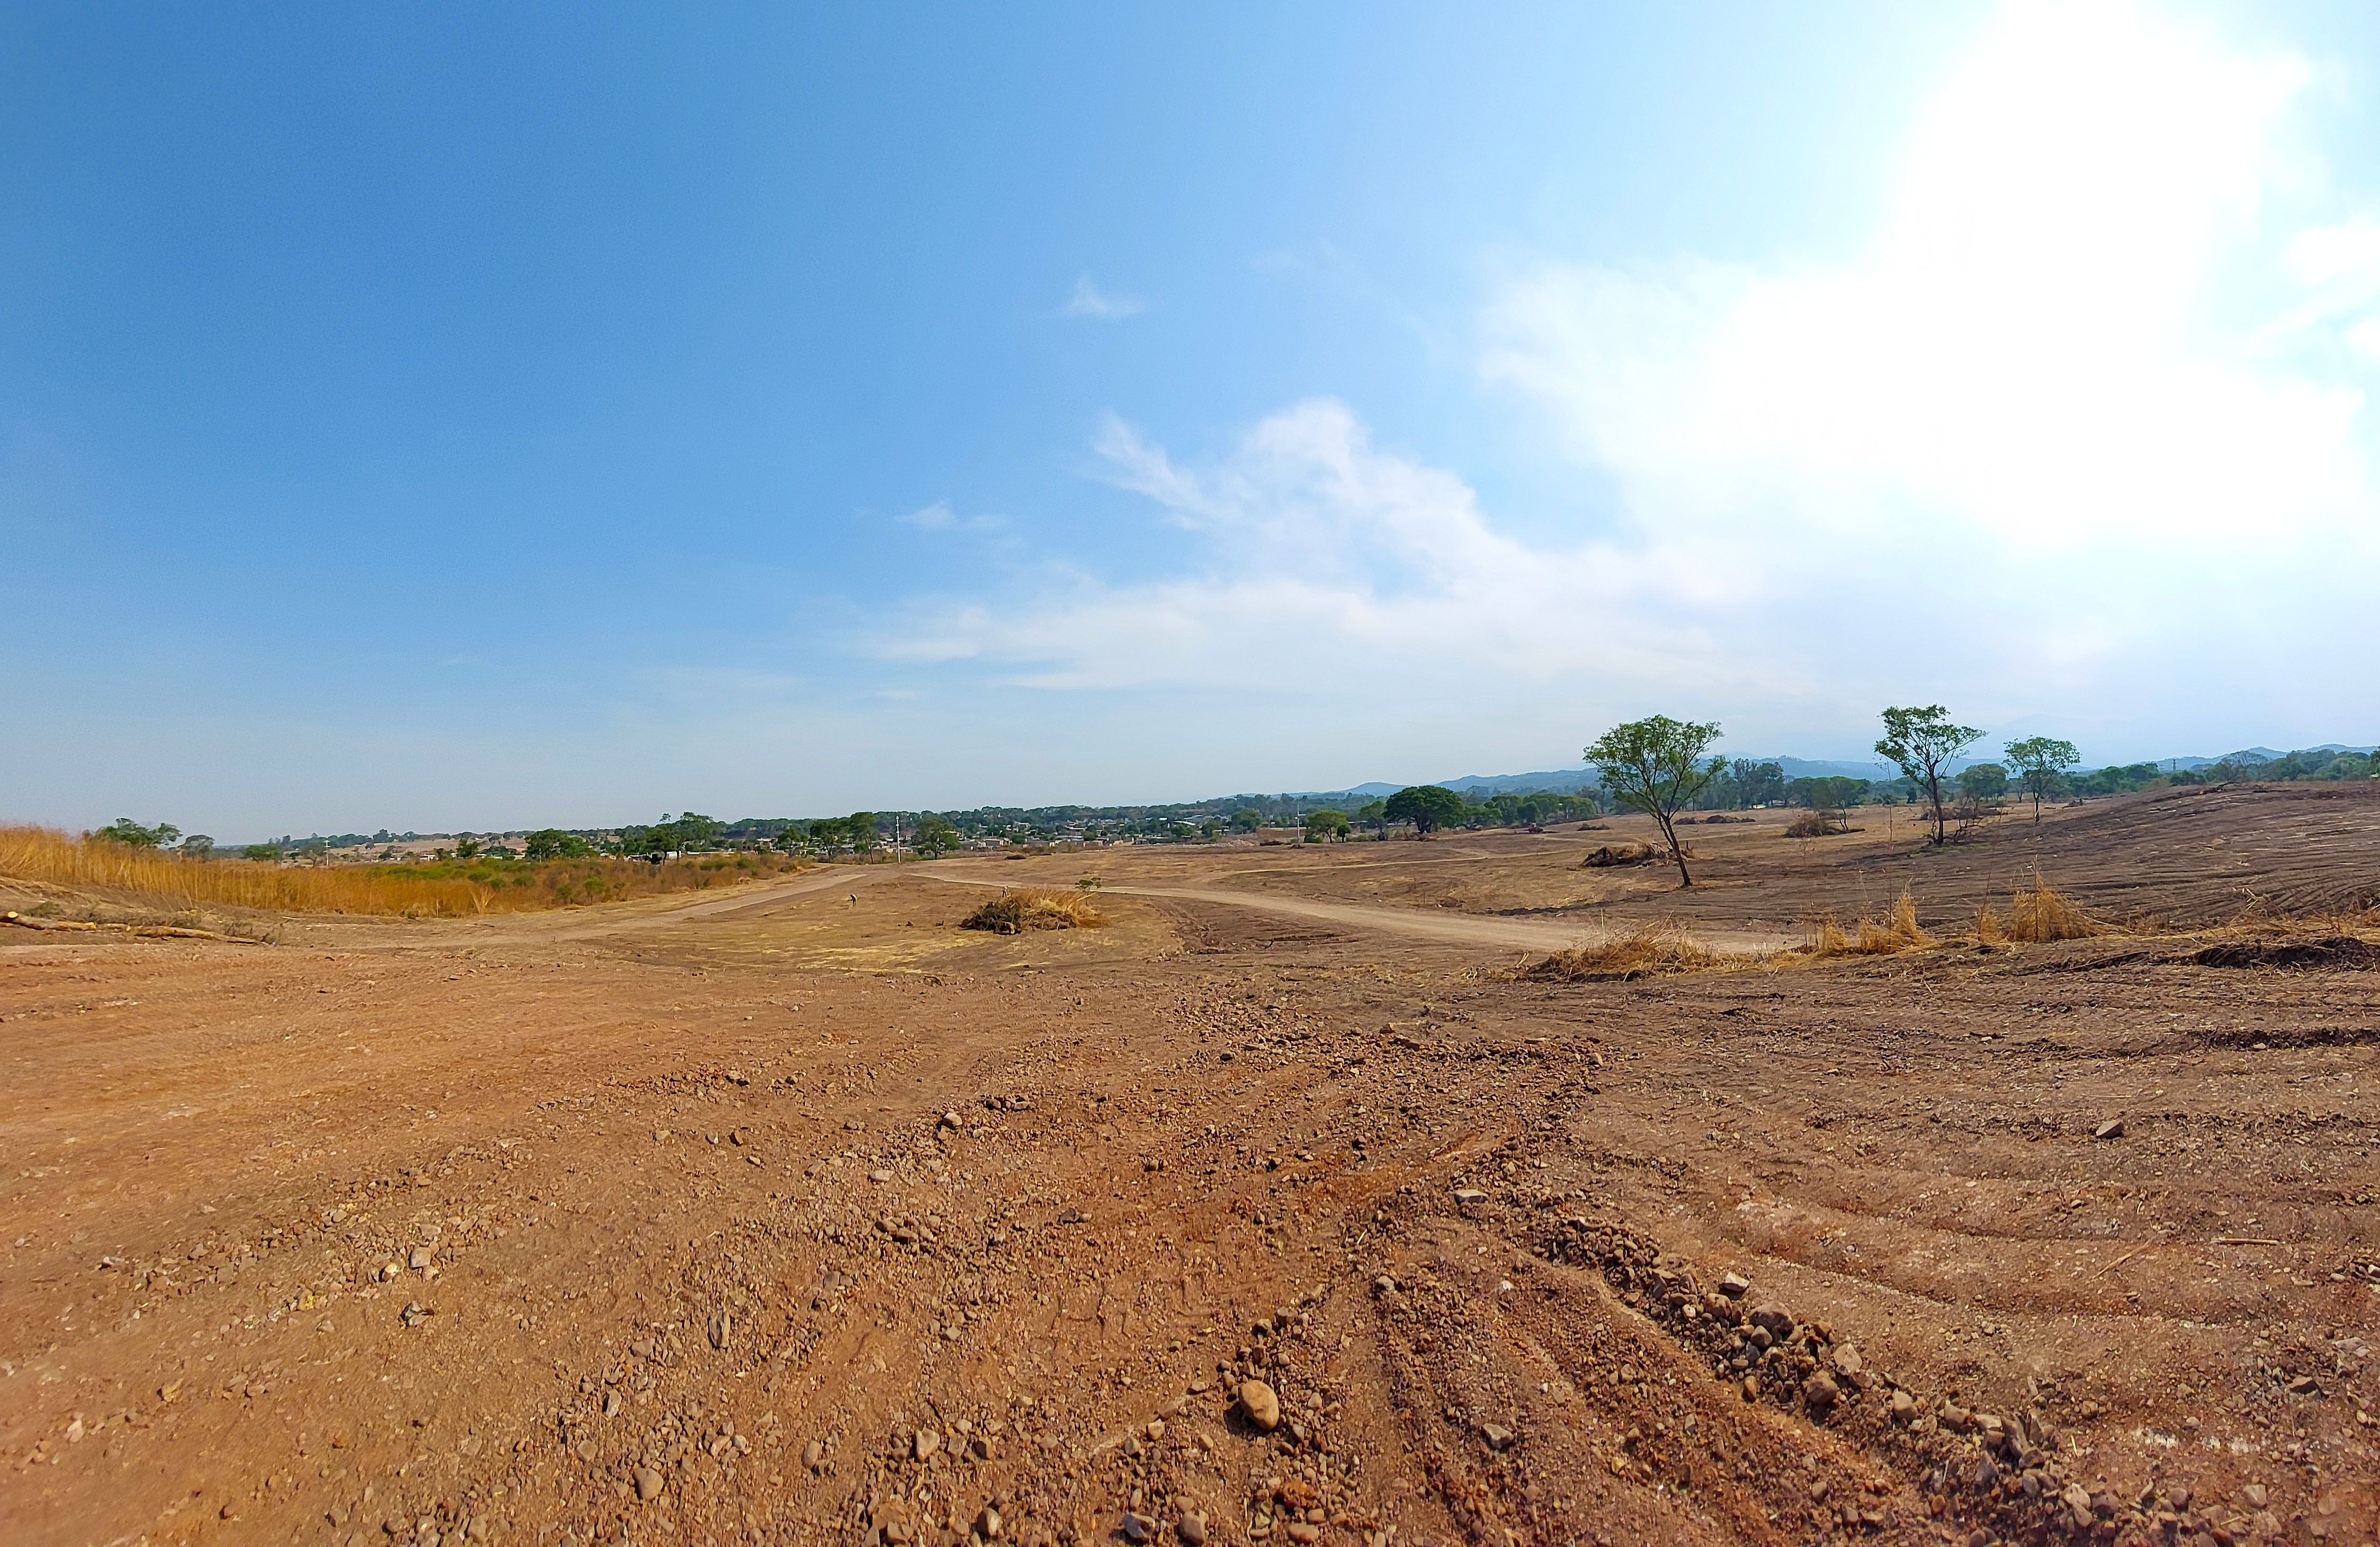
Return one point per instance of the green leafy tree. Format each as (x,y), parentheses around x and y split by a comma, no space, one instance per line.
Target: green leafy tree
(1327,826)
(1427,806)
(1756,783)
(936,834)
(1655,766)
(1919,741)
(1374,815)
(263,851)
(2041,763)
(553,843)
(198,846)
(1246,820)
(1830,792)
(1985,782)
(859,830)
(466,847)
(132,835)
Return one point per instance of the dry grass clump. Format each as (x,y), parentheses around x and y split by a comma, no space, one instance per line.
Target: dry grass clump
(1818,824)
(1023,908)
(1641,954)
(1618,855)
(1645,953)
(457,889)
(1899,931)
(2039,916)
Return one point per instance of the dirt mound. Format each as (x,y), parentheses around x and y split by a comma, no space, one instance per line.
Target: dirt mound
(2332,951)
(1613,855)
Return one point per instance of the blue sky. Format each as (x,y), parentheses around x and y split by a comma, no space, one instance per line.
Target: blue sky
(438,420)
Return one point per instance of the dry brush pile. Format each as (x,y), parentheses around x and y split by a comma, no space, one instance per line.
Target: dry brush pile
(1025,908)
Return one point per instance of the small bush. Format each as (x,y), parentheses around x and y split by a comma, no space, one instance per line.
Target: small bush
(1023,908)
(1818,824)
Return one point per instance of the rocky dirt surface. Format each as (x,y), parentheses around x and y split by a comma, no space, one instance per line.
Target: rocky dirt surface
(1217,1225)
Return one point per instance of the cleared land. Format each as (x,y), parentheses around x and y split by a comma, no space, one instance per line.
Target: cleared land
(800,1213)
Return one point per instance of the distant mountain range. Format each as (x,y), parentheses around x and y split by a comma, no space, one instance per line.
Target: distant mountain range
(1566,781)
(2249,754)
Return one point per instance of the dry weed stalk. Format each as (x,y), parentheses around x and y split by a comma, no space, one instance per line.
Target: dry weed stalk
(1023,908)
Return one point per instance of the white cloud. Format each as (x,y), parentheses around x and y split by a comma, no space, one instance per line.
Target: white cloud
(2010,455)
(939,517)
(1331,558)
(2338,267)
(1090,302)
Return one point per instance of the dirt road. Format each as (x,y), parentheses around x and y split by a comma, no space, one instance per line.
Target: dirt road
(587,1232)
(1455,928)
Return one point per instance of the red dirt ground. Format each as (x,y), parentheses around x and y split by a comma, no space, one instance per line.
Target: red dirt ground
(788,1217)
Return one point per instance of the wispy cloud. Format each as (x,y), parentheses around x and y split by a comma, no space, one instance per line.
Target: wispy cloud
(939,517)
(1090,303)
(1350,562)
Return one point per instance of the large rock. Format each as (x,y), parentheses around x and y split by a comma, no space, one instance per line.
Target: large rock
(1260,1404)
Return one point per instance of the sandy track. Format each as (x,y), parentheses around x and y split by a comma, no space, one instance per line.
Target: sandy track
(1454,928)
